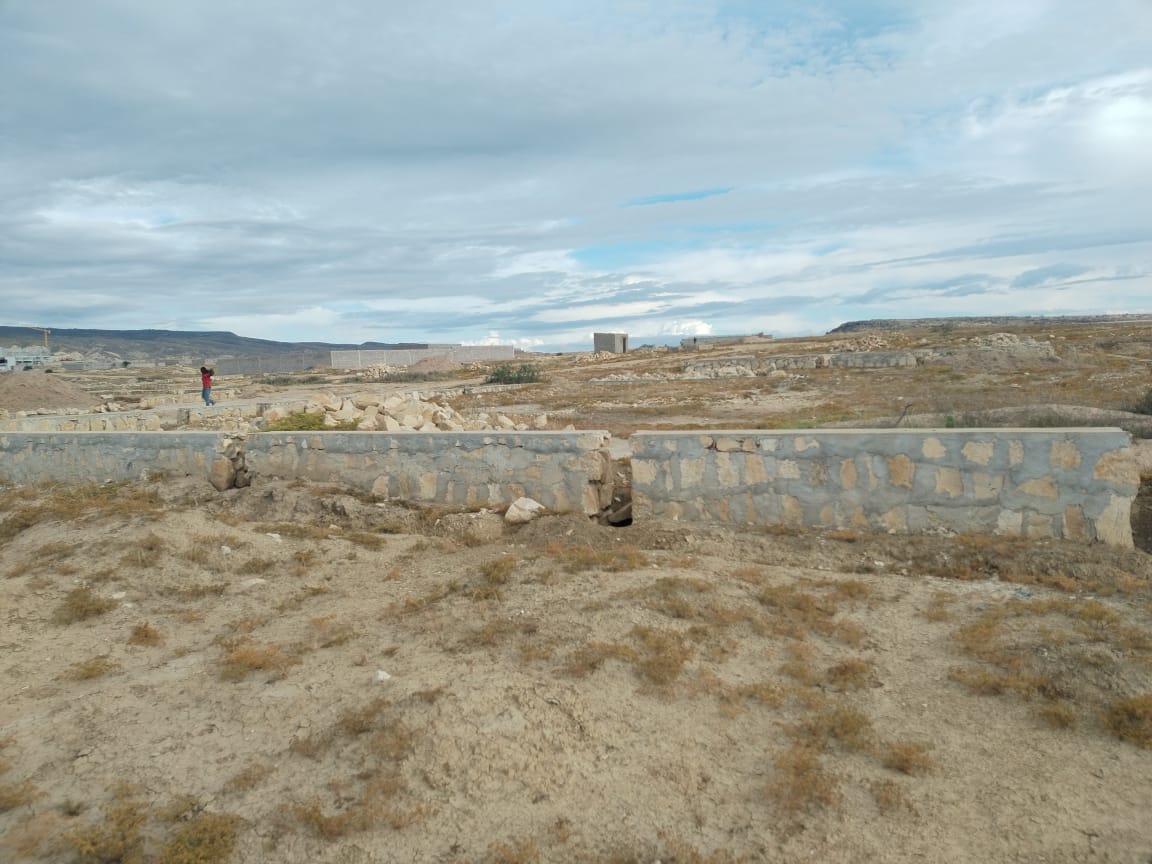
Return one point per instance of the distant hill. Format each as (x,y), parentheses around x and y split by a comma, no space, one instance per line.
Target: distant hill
(171,345)
(983,321)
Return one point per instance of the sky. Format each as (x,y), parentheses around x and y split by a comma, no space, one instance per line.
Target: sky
(529,172)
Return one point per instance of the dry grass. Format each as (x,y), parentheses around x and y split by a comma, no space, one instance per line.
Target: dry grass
(662,656)
(208,838)
(843,725)
(851,674)
(249,778)
(145,634)
(1130,719)
(80,604)
(13,795)
(907,757)
(522,850)
(245,657)
(1058,714)
(588,658)
(578,559)
(890,796)
(94,667)
(801,782)
(119,839)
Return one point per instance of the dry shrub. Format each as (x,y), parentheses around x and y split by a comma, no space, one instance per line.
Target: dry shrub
(801,781)
(119,839)
(1130,719)
(94,667)
(34,839)
(249,778)
(847,726)
(988,682)
(499,570)
(327,632)
(145,634)
(1058,715)
(889,796)
(80,604)
(208,838)
(851,674)
(522,850)
(907,757)
(664,655)
(358,721)
(13,795)
(588,658)
(577,559)
(246,656)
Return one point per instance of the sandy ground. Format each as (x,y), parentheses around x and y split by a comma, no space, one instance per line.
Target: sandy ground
(24,391)
(286,673)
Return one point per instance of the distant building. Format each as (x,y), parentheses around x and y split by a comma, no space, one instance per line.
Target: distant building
(613,343)
(18,357)
(698,343)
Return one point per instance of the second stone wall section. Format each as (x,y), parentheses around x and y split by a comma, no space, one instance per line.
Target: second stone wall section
(1072,483)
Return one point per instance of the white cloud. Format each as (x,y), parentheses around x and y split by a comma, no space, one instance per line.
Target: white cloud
(442,172)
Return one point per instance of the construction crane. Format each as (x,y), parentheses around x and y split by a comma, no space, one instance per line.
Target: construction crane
(43,330)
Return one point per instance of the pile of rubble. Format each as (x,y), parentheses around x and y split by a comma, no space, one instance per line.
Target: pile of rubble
(399,413)
(862,343)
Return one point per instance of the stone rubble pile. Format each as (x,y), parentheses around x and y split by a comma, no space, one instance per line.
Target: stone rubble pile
(371,412)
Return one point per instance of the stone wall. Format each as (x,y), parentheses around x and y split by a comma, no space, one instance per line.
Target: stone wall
(83,457)
(564,471)
(412,356)
(1077,484)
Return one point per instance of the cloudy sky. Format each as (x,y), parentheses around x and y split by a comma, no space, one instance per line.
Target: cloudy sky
(531,171)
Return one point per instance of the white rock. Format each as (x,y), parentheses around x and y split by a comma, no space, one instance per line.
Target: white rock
(382,676)
(523,510)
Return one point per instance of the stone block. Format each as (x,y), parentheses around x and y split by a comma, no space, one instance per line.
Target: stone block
(1118,466)
(901,470)
(1114,524)
(949,481)
(1075,527)
(1040,487)
(1064,454)
(932,448)
(978,452)
(787,469)
(848,475)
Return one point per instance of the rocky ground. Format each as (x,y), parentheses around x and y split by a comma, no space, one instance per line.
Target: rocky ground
(292,673)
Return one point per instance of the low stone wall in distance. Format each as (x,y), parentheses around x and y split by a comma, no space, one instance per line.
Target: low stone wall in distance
(1077,484)
(564,471)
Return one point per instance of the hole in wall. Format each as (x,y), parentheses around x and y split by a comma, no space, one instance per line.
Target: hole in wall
(1142,515)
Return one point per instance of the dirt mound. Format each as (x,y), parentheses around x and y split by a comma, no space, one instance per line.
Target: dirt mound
(29,391)
(436,364)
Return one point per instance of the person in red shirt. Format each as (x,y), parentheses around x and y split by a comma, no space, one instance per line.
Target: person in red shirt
(206,385)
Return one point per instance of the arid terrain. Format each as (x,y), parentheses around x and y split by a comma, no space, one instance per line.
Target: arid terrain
(295,673)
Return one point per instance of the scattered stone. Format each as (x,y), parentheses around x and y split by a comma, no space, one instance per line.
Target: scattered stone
(523,510)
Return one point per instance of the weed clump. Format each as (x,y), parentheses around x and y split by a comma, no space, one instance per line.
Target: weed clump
(207,839)
(302,421)
(801,782)
(80,604)
(907,757)
(246,656)
(145,634)
(95,667)
(1130,719)
(525,373)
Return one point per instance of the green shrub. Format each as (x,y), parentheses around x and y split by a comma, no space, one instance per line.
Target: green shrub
(302,421)
(525,373)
